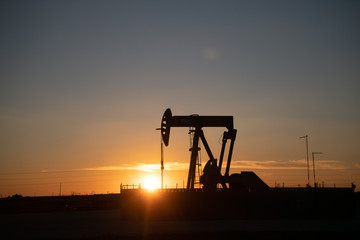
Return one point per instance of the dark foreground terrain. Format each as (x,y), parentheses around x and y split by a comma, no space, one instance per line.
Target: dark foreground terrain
(182,215)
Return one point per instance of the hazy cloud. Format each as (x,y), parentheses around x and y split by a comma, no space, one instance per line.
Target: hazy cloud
(289,165)
(144,167)
(237,164)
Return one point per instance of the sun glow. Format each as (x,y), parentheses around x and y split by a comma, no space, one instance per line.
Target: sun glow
(151,183)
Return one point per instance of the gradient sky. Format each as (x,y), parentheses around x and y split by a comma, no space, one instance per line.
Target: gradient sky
(84,84)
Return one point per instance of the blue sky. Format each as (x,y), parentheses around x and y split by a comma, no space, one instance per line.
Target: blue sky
(84,83)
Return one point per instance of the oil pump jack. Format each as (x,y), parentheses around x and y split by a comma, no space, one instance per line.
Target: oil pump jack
(212,171)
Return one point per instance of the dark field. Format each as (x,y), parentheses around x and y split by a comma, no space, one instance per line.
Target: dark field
(181,216)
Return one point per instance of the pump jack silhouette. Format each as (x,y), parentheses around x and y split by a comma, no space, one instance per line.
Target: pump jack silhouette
(247,181)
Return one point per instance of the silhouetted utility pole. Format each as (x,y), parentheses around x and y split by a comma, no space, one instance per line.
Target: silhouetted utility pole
(307,157)
(162,164)
(162,159)
(313,153)
(60,190)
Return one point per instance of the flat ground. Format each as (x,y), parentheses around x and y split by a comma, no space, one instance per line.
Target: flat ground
(182,216)
(108,224)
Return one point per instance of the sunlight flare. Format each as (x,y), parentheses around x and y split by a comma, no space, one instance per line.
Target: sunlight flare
(151,183)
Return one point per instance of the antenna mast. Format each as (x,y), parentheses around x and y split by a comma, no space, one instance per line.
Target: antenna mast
(307,157)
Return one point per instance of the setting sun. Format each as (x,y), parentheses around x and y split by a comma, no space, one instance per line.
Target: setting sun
(151,183)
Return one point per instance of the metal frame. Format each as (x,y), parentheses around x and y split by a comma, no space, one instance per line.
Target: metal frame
(212,172)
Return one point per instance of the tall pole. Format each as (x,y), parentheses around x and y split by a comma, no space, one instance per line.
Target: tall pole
(162,163)
(161,159)
(307,157)
(313,158)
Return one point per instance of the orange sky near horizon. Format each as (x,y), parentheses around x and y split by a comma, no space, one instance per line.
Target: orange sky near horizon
(102,179)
